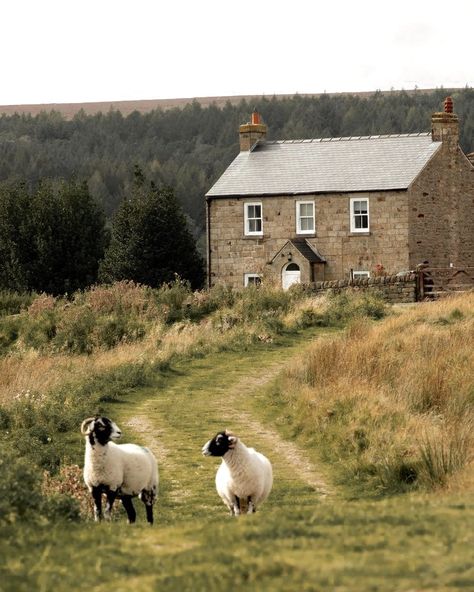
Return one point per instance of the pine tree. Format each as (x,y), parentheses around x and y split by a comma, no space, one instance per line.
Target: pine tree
(150,241)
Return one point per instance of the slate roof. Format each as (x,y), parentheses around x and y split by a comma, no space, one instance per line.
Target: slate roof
(307,250)
(292,167)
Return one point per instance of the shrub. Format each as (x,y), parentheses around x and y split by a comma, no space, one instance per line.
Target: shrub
(350,305)
(10,328)
(171,298)
(59,506)
(23,496)
(69,483)
(74,330)
(41,303)
(120,298)
(38,330)
(12,302)
(20,486)
(112,330)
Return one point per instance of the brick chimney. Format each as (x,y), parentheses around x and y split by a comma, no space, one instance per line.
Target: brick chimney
(445,125)
(251,132)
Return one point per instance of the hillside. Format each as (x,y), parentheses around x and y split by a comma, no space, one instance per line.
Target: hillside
(68,110)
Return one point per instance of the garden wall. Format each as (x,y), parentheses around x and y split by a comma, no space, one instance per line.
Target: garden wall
(394,288)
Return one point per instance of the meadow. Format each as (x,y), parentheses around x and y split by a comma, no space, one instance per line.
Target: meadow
(365,410)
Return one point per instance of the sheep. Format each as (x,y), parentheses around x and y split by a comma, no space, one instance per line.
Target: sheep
(118,470)
(244,477)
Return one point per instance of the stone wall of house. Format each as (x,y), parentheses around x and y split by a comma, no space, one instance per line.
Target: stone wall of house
(232,254)
(441,213)
(394,288)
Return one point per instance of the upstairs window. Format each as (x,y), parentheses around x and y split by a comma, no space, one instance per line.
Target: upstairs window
(253,219)
(359,215)
(305,217)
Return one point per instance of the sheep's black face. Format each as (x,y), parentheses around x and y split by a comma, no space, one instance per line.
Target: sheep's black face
(218,446)
(102,430)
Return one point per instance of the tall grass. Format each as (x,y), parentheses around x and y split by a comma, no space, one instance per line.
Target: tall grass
(391,404)
(65,359)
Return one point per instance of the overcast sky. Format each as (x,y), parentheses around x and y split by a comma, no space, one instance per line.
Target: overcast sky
(58,51)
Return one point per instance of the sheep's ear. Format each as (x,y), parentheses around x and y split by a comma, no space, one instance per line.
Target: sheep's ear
(86,426)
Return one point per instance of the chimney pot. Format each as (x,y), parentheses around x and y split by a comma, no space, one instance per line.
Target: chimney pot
(448,105)
(256,118)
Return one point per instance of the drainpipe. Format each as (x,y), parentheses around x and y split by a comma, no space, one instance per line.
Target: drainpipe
(208,229)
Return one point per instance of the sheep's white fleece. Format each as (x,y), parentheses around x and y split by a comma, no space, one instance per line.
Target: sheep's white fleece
(244,472)
(125,467)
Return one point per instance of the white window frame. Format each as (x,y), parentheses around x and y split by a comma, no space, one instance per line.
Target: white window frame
(359,273)
(299,216)
(248,232)
(353,215)
(252,276)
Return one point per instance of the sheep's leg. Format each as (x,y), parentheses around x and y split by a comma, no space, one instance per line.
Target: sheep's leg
(128,505)
(236,506)
(251,507)
(97,496)
(111,495)
(149,513)
(147,498)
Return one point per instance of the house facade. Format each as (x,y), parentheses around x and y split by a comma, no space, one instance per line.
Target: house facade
(334,208)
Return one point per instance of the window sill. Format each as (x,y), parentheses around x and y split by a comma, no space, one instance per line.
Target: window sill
(364,233)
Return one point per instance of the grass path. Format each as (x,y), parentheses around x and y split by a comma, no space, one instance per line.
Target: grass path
(203,396)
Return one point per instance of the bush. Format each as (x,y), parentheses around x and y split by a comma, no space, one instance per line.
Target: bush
(171,299)
(350,305)
(69,482)
(74,330)
(10,328)
(39,330)
(23,496)
(61,506)
(14,302)
(120,298)
(20,486)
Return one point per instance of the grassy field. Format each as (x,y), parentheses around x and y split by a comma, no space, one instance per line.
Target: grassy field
(319,530)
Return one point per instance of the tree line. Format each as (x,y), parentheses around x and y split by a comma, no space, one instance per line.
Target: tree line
(54,239)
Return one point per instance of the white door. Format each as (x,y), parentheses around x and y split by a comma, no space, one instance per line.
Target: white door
(290,275)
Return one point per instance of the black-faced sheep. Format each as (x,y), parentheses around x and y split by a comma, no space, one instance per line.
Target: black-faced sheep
(244,477)
(124,470)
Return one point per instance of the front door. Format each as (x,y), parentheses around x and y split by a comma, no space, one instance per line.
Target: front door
(290,275)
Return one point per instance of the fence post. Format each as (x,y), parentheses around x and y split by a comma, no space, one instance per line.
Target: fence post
(420,288)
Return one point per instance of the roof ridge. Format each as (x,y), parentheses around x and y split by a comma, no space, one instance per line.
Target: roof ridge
(349,138)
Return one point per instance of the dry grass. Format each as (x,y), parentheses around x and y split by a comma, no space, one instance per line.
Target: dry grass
(35,371)
(395,396)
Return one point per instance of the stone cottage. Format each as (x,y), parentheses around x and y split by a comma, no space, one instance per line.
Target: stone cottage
(334,208)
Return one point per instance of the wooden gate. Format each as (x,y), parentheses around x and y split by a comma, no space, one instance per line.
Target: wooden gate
(435,282)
